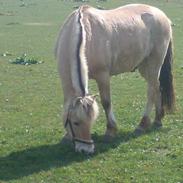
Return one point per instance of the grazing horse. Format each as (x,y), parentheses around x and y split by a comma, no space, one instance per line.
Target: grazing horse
(96,44)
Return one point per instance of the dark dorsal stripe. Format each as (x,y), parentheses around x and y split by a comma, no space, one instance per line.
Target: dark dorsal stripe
(78,56)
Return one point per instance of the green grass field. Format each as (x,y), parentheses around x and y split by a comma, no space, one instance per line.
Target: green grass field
(31,106)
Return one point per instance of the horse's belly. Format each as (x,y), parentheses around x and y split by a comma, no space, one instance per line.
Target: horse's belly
(126,63)
(121,67)
(127,57)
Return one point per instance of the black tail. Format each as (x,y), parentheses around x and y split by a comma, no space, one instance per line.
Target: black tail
(166,82)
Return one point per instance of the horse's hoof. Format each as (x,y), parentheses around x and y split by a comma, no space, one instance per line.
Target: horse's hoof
(157,125)
(110,134)
(139,131)
(108,138)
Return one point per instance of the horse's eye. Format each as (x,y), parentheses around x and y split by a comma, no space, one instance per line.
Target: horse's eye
(76,123)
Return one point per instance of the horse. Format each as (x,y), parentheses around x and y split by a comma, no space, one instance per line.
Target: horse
(97,44)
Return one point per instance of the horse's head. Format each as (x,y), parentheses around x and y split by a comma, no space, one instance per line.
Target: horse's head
(81,114)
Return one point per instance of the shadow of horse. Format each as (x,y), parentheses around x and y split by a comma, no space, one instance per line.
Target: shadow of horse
(42,158)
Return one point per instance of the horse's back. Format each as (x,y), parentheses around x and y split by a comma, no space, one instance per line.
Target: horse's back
(119,39)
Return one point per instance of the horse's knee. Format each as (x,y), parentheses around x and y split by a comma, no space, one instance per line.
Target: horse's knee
(106,104)
(108,110)
(111,121)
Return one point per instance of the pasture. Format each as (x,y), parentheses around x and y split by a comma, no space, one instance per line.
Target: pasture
(31,105)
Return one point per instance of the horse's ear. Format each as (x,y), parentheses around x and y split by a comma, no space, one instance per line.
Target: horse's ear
(91,100)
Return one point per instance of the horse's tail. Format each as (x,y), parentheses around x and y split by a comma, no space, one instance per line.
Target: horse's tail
(166,81)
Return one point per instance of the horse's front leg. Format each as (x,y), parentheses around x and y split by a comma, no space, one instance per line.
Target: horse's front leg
(103,81)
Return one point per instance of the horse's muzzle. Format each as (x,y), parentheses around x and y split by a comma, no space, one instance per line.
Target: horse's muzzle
(84,148)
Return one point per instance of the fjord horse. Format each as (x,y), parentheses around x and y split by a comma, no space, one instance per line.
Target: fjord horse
(97,44)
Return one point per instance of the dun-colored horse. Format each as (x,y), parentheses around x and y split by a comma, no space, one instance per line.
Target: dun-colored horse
(97,44)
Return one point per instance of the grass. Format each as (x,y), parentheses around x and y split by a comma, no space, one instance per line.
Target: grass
(31,105)
(24,60)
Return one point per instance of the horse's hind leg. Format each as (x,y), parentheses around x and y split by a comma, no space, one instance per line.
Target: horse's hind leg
(150,71)
(145,121)
(103,81)
(159,111)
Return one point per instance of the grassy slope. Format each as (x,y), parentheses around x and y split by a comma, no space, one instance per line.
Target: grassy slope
(30,105)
